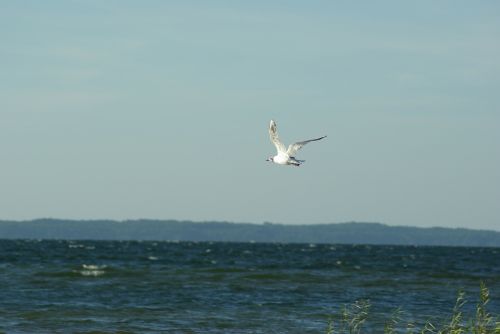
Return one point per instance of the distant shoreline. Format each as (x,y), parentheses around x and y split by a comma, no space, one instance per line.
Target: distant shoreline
(173,230)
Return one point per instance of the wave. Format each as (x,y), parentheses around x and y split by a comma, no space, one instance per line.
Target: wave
(92,270)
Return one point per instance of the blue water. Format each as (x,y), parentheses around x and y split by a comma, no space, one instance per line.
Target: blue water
(165,287)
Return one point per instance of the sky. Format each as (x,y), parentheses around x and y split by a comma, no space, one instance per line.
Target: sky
(160,109)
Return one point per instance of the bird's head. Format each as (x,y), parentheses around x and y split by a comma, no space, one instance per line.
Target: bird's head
(270,159)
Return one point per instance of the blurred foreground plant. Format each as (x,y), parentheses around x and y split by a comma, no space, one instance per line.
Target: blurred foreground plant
(353,317)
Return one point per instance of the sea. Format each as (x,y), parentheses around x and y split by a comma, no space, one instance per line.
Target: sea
(59,286)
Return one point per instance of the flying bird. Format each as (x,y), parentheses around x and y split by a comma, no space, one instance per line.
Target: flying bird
(286,156)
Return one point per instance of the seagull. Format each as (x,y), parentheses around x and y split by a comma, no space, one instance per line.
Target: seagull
(286,156)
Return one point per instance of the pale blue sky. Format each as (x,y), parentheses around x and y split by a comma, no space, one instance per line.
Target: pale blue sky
(159,109)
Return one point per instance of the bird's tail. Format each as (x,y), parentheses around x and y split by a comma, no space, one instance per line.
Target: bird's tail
(299,161)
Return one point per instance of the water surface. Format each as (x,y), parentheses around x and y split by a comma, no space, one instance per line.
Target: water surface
(153,287)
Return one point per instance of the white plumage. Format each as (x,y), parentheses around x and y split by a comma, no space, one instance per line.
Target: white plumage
(286,156)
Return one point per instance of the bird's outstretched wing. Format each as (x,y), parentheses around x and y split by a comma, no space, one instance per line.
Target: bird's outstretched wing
(273,134)
(293,148)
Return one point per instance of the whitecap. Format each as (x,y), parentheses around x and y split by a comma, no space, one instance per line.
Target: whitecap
(92,270)
(93,273)
(93,266)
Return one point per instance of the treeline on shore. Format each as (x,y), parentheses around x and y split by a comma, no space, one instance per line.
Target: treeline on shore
(172,230)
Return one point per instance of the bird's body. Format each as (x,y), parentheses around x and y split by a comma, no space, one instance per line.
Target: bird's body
(286,156)
(284,159)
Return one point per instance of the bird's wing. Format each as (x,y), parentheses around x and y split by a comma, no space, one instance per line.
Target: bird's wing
(273,134)
(293,148)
